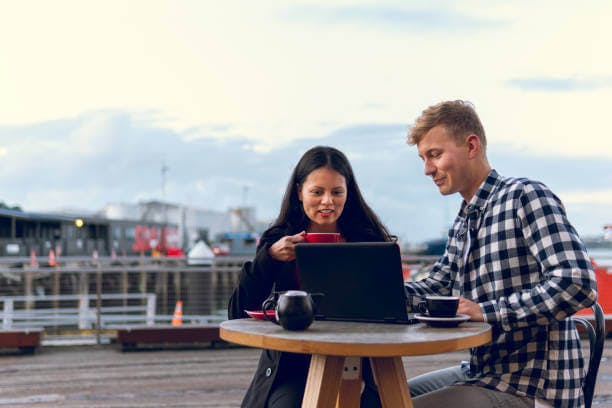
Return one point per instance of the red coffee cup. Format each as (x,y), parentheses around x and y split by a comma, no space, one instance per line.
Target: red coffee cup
(322,237)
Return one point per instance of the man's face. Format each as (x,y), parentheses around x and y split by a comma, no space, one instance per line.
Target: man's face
(445,161)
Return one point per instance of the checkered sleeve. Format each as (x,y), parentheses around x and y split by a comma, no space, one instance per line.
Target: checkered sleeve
(567,278)
(437,282)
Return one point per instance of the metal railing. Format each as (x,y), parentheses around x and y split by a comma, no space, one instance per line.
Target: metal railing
(17,311)
(85,294)
(98,294)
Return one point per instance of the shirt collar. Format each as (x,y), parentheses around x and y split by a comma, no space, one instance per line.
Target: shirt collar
(479,201)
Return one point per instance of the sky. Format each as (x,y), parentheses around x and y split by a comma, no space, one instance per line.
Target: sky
(96,96)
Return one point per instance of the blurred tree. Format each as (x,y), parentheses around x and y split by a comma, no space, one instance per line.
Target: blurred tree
(9,207)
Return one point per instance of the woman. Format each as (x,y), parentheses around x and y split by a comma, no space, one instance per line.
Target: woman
(322,196)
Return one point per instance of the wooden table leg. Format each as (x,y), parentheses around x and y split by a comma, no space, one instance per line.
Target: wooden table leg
(323,383)
(350,389)
(391,381)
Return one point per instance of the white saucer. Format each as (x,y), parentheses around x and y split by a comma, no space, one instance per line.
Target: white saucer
(443,321)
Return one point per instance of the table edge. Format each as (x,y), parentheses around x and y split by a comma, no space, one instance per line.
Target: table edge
(343,349)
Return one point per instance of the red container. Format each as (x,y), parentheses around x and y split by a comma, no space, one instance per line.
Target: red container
(604,289)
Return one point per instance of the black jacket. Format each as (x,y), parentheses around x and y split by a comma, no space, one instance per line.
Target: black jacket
(256,282)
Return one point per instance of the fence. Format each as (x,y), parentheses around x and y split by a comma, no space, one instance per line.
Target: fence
(44,311)
(96,294)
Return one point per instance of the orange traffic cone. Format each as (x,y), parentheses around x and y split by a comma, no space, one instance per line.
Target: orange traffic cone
(177,319)
(52,258)
(33,261)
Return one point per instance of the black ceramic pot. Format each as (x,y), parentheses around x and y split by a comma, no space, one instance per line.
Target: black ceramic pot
(294,310)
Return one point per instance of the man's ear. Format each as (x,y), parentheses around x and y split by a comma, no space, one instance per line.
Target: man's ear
(473,145)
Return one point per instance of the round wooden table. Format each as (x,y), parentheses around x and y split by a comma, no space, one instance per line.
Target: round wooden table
(331,343)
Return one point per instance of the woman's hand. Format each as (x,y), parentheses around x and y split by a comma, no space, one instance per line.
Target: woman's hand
(284,248)
(471,309)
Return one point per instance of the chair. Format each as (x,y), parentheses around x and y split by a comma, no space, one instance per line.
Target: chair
(597,336)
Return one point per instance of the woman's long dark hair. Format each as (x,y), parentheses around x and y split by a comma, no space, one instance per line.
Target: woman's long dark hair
(357,222)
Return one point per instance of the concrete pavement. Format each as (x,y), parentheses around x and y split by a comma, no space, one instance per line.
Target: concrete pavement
(103,376)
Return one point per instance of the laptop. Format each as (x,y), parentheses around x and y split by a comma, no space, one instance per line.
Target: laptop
(360,281)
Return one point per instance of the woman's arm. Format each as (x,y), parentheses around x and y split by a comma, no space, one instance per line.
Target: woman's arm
(258,278)
(255,283)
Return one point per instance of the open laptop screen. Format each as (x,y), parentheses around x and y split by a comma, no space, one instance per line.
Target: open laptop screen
(361,281)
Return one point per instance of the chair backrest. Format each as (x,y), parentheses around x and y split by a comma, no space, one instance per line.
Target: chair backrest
(597,336)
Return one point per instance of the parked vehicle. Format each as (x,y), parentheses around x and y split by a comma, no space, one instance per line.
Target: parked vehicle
(235,243)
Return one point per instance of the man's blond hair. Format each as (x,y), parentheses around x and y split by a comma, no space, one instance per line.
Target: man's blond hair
(458,117)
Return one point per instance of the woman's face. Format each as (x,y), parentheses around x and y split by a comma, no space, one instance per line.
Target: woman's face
(323,195)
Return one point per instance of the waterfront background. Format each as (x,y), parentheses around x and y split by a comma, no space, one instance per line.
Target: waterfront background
(209,105)
(190,115)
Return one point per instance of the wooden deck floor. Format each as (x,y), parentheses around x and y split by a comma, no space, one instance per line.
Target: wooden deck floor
(103,376)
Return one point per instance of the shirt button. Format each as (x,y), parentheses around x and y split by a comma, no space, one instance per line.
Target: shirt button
(268,372)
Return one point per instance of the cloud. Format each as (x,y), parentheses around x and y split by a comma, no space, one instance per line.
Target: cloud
(44,169)
(543,84)
(403,18)
(594,196)
(270,72)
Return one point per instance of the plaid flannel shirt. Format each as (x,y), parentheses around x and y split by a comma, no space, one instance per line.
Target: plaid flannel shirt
(529,271)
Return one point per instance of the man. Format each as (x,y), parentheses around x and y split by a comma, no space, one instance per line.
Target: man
(515,261)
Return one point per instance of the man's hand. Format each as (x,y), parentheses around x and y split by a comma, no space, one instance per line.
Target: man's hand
(284,248)
(470,308)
